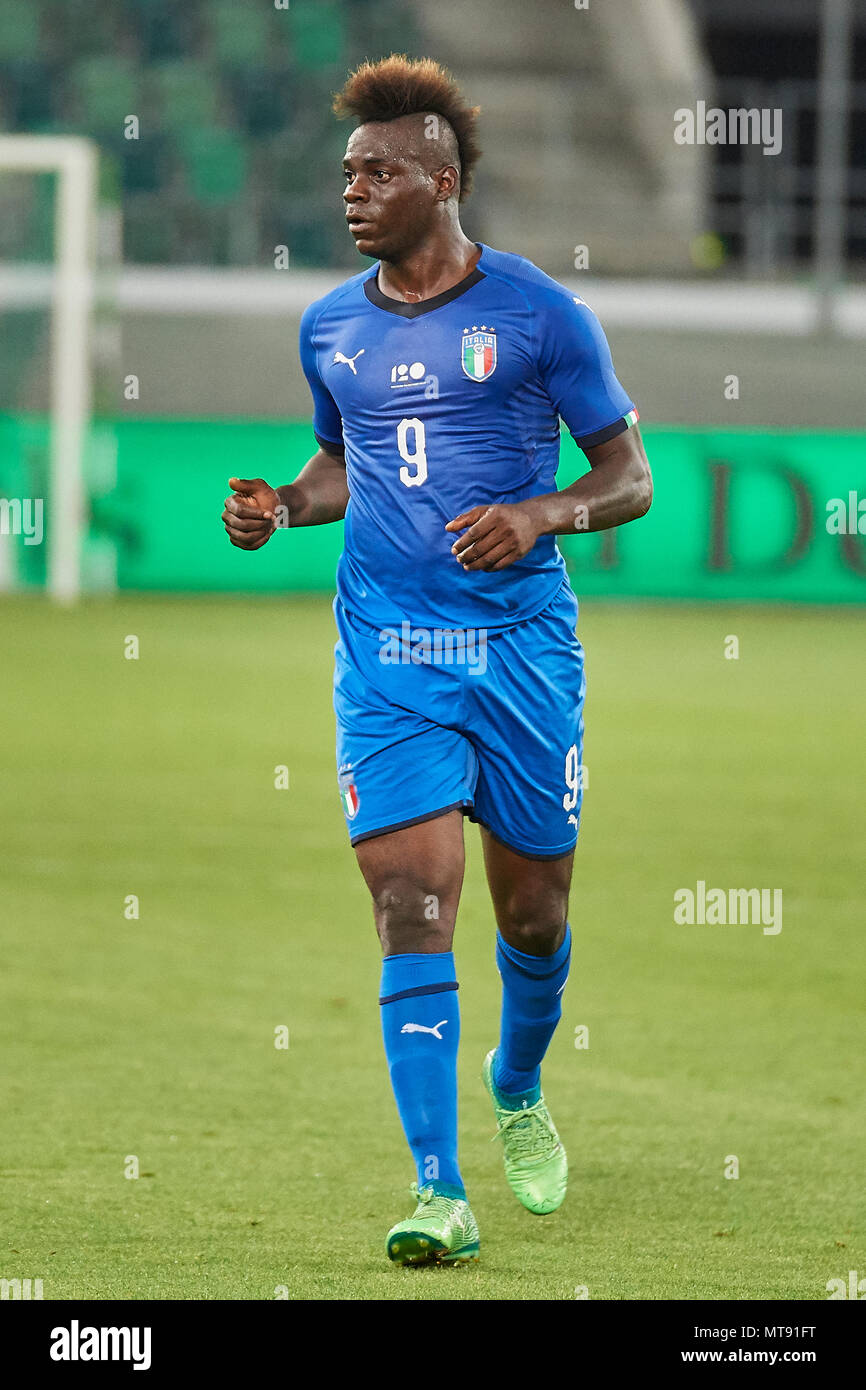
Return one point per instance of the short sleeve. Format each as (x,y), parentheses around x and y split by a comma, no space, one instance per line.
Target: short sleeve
(575,367)
(327,424)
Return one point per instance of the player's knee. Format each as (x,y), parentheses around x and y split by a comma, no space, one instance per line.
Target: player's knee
(536,928)
(409,917)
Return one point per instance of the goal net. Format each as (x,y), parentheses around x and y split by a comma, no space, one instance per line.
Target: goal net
(50,450)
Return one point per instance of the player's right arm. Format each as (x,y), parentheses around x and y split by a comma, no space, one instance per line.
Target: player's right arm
(318,495)
(320,492)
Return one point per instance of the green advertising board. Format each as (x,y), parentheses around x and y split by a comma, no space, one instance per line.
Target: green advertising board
(737,515)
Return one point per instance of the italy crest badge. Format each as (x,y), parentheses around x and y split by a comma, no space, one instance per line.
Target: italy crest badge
(348,792)
(478,353)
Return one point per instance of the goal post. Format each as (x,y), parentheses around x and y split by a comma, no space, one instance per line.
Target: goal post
(74,161)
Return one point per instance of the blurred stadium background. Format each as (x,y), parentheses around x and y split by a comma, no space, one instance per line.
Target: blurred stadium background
(161,358)
(219,219)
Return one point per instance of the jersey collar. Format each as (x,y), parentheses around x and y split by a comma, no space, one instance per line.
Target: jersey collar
(405,310)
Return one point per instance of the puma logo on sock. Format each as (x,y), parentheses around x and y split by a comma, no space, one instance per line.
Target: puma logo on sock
(421,1028)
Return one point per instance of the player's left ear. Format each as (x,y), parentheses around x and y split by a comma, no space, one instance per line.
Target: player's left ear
(447,183)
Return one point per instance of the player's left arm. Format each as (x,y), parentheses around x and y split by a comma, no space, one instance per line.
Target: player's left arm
(574,366)
(618,488)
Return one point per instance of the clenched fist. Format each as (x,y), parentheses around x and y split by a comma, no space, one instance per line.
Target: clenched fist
(495,537)
(251,513)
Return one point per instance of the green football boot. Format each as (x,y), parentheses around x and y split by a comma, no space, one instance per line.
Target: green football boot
(441,1231)
(536,1165)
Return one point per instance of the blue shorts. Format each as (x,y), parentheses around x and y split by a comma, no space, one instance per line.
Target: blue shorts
(430,721)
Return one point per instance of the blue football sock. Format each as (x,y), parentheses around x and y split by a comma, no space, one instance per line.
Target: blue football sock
(421,1028)
(531,1008)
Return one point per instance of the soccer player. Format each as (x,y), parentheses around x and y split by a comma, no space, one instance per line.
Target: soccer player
(439,376)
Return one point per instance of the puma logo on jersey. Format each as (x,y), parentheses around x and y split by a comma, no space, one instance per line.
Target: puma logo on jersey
(349,361)
(420,1028)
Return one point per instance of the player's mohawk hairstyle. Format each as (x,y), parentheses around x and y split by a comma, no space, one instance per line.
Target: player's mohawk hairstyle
(400,86)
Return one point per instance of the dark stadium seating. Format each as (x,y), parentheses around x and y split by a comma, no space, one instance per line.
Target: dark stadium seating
(233,103)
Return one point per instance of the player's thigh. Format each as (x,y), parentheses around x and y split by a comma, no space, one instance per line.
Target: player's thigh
(527,731)
(404,780)
(530,896)
(415,876)
(396,765)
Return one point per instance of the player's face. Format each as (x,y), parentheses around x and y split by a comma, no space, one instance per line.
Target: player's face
(389,195)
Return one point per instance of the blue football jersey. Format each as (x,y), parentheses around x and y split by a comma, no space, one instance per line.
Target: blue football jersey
(445,405)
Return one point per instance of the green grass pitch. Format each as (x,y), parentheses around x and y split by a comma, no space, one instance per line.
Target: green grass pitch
(263,1169)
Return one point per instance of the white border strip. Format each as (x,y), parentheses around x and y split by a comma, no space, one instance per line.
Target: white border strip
(731,306)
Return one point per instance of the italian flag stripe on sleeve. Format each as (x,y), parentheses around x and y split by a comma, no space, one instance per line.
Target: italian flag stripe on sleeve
(631,419)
